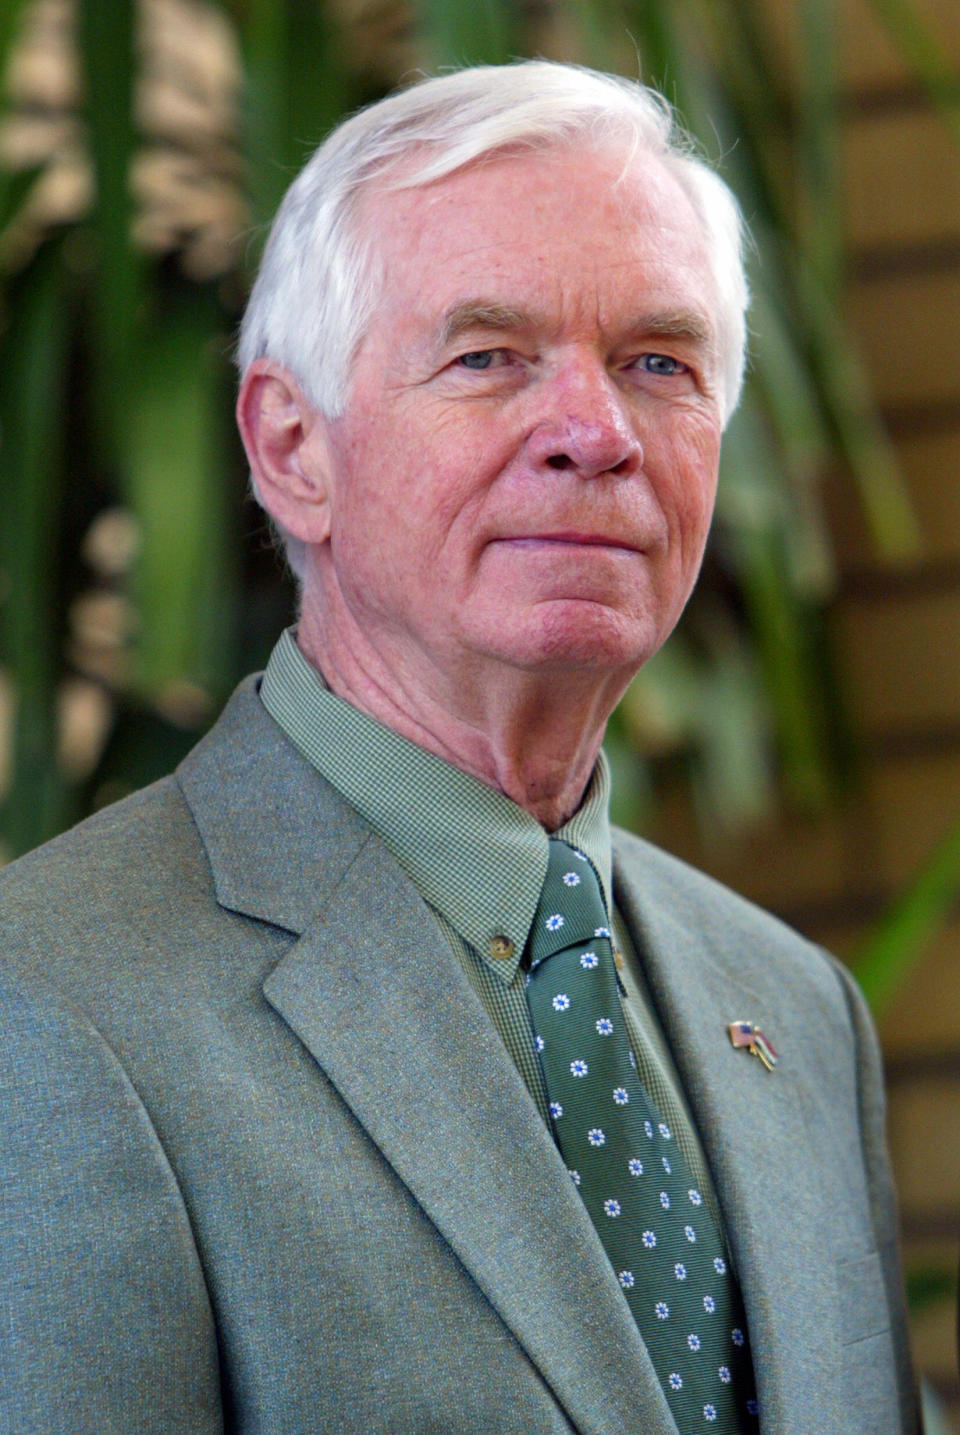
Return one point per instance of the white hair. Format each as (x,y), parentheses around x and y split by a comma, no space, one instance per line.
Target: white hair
(318,284)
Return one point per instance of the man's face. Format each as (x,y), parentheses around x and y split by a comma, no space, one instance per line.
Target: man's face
(525,470)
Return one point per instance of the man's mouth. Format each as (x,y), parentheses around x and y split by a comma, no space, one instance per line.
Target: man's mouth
(572,538)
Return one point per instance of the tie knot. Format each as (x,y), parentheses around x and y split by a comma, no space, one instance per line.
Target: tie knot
(571,909)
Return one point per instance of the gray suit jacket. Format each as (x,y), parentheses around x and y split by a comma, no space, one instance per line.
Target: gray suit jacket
(268,1168)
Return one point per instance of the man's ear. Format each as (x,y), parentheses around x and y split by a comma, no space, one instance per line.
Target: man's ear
(285,439)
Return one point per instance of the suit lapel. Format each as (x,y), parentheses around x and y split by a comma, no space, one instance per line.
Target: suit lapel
(373,992)
(758,1143)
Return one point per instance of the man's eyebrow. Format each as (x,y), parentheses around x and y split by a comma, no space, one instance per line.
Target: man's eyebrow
(481,315)
(685,324)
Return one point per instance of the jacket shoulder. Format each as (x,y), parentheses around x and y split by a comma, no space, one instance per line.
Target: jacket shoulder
(107,874)
(689,890)
(731,924)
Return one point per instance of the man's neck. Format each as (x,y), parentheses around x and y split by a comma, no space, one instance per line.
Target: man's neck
(532,736)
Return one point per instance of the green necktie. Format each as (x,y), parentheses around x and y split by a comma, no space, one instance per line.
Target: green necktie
(658,1232)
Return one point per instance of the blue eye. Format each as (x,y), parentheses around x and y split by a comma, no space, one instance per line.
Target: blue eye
(479,359)
(662,364)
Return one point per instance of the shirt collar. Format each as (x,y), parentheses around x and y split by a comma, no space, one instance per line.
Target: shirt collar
(476,856)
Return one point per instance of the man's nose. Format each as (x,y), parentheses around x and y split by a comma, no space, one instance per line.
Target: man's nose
(585,427)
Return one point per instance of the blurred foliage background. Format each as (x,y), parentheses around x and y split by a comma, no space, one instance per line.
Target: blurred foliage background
(144,145)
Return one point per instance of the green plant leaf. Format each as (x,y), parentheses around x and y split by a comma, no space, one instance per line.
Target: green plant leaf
(755,531)
(31,460)
(106,37)
(896,943)
(913,35)
(184,581)
(928,1285)
(11,18)
(819,225)
(296,86)
(469,32)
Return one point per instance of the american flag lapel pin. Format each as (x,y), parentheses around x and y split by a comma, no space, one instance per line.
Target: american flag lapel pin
(747,1034)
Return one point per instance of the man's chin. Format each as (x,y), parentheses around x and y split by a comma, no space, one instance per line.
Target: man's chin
(577,635)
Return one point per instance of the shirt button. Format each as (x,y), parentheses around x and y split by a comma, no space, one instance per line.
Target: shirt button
(618,958)
(502,948)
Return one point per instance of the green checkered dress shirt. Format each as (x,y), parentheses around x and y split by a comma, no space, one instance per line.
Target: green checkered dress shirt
(479,862)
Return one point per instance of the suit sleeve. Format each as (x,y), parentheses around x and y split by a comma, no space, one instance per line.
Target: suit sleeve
(105,1323)
(882,1193)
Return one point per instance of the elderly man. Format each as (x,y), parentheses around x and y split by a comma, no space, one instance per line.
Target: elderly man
(351,1083)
